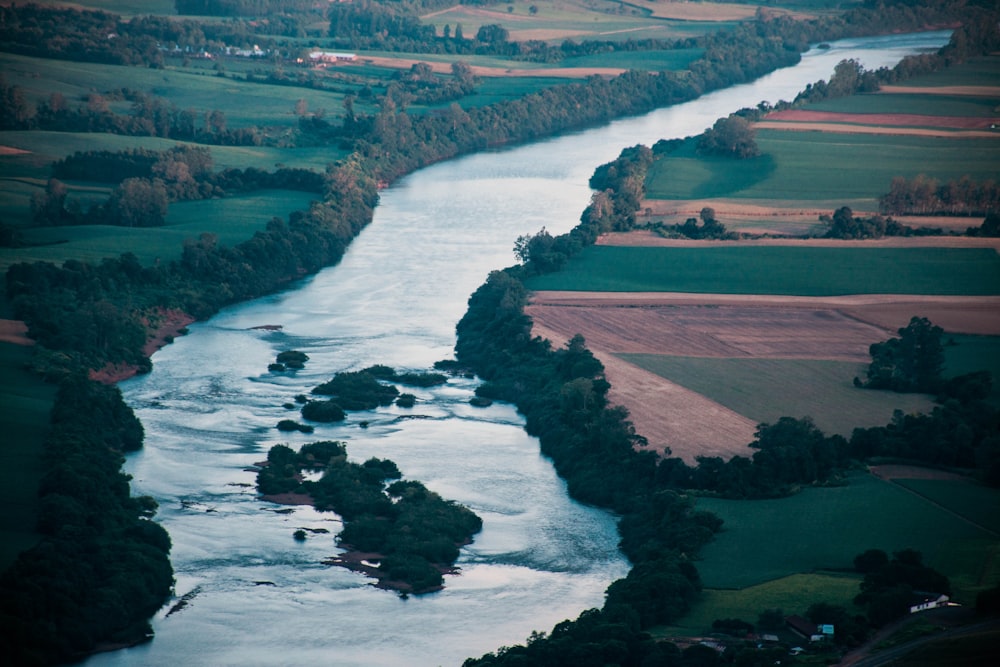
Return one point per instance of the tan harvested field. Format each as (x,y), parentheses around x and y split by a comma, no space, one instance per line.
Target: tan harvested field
(899,120)
(14,331)
(730,326)
(974,91)
(478,70)
(681,10)
(834,128)
(10,150)
(646,238)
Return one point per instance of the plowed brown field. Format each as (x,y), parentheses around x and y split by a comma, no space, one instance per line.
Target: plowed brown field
(719,325)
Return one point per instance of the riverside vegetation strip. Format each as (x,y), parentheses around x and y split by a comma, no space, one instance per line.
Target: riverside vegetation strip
(86,315)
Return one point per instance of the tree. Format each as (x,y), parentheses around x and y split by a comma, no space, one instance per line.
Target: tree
(732,136)
(911,363)
(138,202)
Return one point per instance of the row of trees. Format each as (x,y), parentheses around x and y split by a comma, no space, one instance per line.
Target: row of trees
(923,195)
(84,315)
(102,567)
(148,181)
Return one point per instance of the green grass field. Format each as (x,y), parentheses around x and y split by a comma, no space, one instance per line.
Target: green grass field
(906,103)
(823,168)
(25,403)
(982,71)
(778,270)
(233,220)
(767,389)
(977,503)
(824,528)
(193,88)
(792,594)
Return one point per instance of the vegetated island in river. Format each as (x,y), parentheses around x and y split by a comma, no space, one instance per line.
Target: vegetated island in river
(404,535)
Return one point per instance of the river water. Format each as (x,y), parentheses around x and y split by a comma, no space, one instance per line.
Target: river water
(258,597)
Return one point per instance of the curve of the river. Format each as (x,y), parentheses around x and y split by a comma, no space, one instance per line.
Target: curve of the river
(258,597)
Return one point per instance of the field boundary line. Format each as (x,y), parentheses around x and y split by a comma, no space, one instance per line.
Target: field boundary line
(937,504)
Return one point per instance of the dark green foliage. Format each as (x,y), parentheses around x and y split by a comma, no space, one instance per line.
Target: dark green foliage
(988,602)
(927,196)
(406,400)
(103,564)
(292,425)
(729,137)
(771,619)
(415,530)
(887,591)
(912,362)
(292,358)
(357,390)
(733,626)
(323,411)
(990,227)
(872,560)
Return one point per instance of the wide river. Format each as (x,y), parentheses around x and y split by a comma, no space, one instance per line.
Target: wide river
(257,596)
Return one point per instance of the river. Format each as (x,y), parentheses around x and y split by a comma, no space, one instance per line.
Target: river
(258,597)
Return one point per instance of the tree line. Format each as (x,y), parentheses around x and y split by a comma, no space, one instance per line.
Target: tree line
(85,315)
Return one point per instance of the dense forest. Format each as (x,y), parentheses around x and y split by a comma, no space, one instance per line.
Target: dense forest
(103,561)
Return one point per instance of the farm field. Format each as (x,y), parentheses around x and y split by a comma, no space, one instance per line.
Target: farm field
(579,20)
(24,419)
(233,220)
(761,350)
(824,528)
(805,270)
(975,502)
(792,594)
(855,168)
(938,124)
(767,389)
(975,353)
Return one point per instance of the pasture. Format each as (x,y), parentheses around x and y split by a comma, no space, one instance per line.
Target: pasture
(792,594)
(25,403)
(825,169)
(201,90)
(233,220)
(974,502)
(805,271)
(767,389)
(825,528)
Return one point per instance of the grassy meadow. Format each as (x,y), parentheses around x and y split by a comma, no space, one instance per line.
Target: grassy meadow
(824,528)
(767,389)
(827,169)
(805,271)
(792,594)
(26,401)
(974,502)
(233,220)
(823,168)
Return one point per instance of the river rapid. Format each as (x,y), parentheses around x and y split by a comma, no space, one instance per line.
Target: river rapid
(258,597)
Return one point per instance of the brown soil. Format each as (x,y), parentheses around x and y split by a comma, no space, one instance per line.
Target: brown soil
(907,120)
(478,70)
(833,128)
(720,325)
(10,150)
(973,91)
(14,331)
(646,238)
(163,325)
